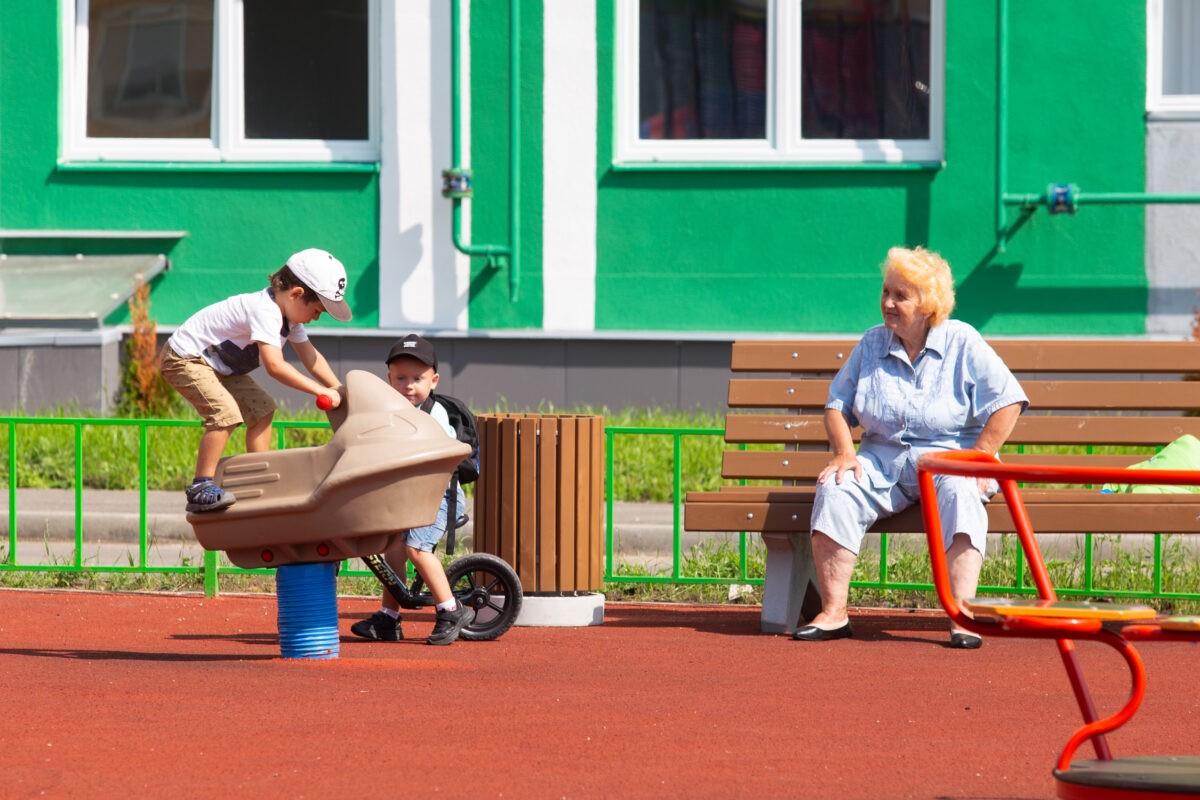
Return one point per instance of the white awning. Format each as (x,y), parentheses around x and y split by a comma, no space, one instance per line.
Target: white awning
(70,291)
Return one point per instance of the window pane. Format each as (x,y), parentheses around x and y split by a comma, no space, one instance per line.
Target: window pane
(150,69)
(1181,35)
(306,69)
(865,69)
(703,69)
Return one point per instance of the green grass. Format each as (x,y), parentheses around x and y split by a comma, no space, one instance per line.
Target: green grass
(643,464)
(718,559)
(1118,567)
(1122,568)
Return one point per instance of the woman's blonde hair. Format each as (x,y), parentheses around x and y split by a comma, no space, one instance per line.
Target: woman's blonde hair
(929,274)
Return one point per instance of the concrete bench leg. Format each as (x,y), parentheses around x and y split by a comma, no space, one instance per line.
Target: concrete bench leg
(790,587)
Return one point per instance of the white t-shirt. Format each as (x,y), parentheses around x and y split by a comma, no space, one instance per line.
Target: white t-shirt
(438,412)
(226,334)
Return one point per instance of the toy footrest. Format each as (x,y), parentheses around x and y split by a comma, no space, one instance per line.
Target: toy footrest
(1151,776)
(1165,629)
(1180,623)
(1058,609)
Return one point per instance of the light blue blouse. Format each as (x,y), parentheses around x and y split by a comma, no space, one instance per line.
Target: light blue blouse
(940,403)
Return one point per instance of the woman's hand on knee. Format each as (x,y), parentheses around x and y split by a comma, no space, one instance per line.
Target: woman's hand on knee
(838,466)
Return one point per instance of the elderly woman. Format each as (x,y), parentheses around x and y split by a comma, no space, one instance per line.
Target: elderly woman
(916,383)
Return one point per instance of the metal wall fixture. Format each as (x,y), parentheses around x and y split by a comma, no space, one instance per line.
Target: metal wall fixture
(1059,197)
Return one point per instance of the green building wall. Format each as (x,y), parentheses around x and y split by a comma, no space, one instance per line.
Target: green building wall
(773,250)
(243,221)
(491,304)
(779,249)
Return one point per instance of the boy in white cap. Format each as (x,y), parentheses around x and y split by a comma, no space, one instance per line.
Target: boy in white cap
(209,357)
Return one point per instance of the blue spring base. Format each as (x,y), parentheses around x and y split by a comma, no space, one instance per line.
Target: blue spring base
(308,620)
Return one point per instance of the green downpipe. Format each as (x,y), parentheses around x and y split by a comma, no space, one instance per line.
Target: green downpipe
(1001,123)
(496,255)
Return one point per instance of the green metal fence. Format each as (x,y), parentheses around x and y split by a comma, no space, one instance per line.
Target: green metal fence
(1016,582)
(746,569)
(676,576)
(212,566)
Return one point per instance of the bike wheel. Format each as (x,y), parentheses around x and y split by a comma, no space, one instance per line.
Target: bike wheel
(488,585)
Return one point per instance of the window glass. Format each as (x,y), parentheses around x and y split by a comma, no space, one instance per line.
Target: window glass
(221,80)
(302,58)
(780,81)
(865,69)
(1181,33)
(703,69)
(150,69)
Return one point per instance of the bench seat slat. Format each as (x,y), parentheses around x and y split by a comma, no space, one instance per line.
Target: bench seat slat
(1134,357)
(1043,496)
(1043,395)
(795,465)
(1050,510)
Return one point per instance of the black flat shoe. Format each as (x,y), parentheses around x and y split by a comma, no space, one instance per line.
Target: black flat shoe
(811,633)
(965,641)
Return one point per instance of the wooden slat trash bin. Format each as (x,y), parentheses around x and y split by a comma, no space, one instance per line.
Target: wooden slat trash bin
(538,506)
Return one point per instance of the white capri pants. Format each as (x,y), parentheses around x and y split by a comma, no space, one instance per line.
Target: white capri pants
(843,511)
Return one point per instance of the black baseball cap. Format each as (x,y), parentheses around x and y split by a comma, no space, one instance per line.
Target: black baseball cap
(416,347)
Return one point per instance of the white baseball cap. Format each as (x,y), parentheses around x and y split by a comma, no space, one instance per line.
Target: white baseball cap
(326,276)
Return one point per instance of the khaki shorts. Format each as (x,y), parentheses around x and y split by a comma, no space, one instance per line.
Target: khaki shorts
(223,401)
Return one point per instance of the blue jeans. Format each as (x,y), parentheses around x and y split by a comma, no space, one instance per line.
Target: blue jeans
(427,536)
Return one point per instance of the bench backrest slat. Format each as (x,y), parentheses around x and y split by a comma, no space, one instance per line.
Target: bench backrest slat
(1043,395)
(1020,355)
(1069,430)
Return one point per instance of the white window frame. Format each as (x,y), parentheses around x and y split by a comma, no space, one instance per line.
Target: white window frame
(227,141)
(783,143)
(1161,106)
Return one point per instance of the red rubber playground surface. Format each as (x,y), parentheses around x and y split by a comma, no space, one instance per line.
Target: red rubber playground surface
(139,695)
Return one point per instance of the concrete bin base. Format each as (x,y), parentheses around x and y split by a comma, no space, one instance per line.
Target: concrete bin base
(562,610)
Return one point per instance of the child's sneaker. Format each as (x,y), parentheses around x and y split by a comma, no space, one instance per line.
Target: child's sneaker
(450,623)
(207,496)
(378,626)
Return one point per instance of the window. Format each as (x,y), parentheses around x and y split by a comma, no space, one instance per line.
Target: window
(780,80)
(1173,63)
(208,80)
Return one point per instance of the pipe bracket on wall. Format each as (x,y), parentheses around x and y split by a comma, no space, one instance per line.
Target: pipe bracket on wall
(1062,198)
(456,183)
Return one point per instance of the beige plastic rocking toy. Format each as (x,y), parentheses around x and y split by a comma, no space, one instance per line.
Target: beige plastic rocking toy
(385,470)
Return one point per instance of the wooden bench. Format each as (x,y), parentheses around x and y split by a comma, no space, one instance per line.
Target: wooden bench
(1081,393)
